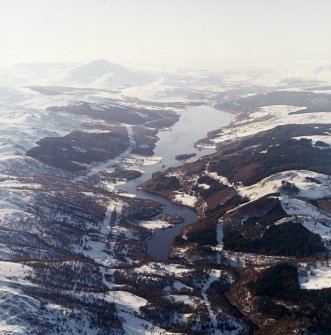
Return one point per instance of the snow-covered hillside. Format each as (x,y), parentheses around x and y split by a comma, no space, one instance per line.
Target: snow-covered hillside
(73,249)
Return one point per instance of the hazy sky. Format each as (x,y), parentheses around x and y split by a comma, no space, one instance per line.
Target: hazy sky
(180,33)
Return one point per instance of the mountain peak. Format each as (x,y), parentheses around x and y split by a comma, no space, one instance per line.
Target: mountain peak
(97,68)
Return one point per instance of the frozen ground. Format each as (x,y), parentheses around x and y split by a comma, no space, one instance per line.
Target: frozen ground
(266,118)
(311,185)
(315,276)
(185,199)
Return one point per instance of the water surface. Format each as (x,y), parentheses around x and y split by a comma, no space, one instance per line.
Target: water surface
(193,125)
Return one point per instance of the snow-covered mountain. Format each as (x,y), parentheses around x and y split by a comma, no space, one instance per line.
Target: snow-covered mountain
(24,74)
(97,73)
(102,73)
(183,85)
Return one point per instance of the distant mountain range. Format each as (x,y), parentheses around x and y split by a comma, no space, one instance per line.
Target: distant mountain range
(97,73)
(105,74)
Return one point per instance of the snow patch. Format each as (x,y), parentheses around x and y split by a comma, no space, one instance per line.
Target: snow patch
(311,185)
(185,199)
(315,277)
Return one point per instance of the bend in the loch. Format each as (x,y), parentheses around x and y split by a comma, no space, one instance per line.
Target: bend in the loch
(193,125)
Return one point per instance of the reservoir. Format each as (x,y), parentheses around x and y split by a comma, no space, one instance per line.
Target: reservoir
(193,125)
